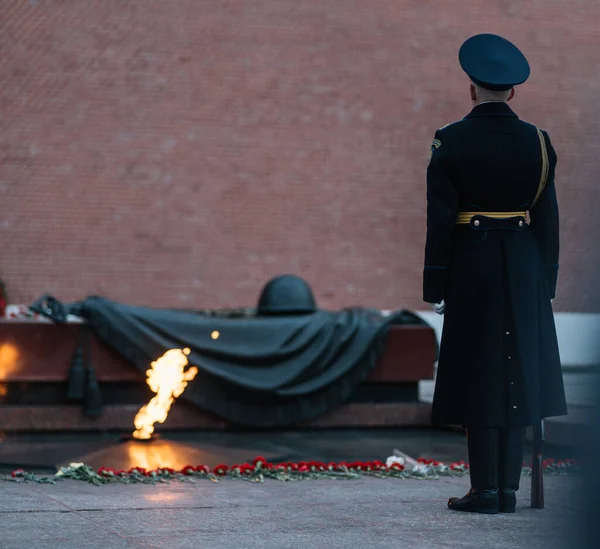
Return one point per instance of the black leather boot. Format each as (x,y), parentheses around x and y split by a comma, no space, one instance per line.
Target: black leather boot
(476,501)
(507,501)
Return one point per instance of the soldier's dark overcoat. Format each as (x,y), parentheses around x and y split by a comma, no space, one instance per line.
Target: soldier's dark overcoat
(499,363)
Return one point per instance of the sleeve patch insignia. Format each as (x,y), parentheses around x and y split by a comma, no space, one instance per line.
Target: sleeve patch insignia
(435,145)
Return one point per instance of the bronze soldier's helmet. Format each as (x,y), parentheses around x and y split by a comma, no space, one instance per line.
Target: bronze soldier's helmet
(286,295)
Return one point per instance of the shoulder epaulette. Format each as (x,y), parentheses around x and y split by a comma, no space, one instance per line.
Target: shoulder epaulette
(451,124)
(528,123)
(534,127)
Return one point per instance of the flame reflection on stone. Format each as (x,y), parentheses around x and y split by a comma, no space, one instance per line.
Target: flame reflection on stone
(9,356)
(152,456)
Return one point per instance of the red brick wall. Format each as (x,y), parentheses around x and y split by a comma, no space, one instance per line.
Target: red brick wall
(182,152)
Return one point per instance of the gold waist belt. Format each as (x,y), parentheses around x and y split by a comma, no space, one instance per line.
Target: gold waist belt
(465,217)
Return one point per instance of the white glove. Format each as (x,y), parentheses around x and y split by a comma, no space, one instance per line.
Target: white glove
(439,308)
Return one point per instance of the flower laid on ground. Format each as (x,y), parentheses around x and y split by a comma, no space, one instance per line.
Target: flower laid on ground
(556,467)
(221,470)
(260,469)
(394,459)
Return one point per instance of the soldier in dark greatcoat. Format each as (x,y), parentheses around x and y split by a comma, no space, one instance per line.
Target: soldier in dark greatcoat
(491,264)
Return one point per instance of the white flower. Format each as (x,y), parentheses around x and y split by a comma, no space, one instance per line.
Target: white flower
(421,469)
(62,472)
(394,459)
(76,465)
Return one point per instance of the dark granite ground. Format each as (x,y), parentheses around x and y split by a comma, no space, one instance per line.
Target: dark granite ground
(367,514)
(43,453)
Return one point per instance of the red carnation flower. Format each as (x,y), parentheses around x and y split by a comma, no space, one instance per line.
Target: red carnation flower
(303,468)
(203,469)
(258,460)
(293,466)
(397,467)
(18,473)
(138,470)
(221,470)
(188,470)
(106,471)
(332,466)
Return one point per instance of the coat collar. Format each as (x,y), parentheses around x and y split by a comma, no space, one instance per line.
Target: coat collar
(495,108)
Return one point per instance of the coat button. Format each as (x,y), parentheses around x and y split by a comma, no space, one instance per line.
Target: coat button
(476,223)
(520,223)
(507,333)
(514,407)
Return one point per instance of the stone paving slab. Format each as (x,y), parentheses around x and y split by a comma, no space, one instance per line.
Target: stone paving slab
(367,513)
